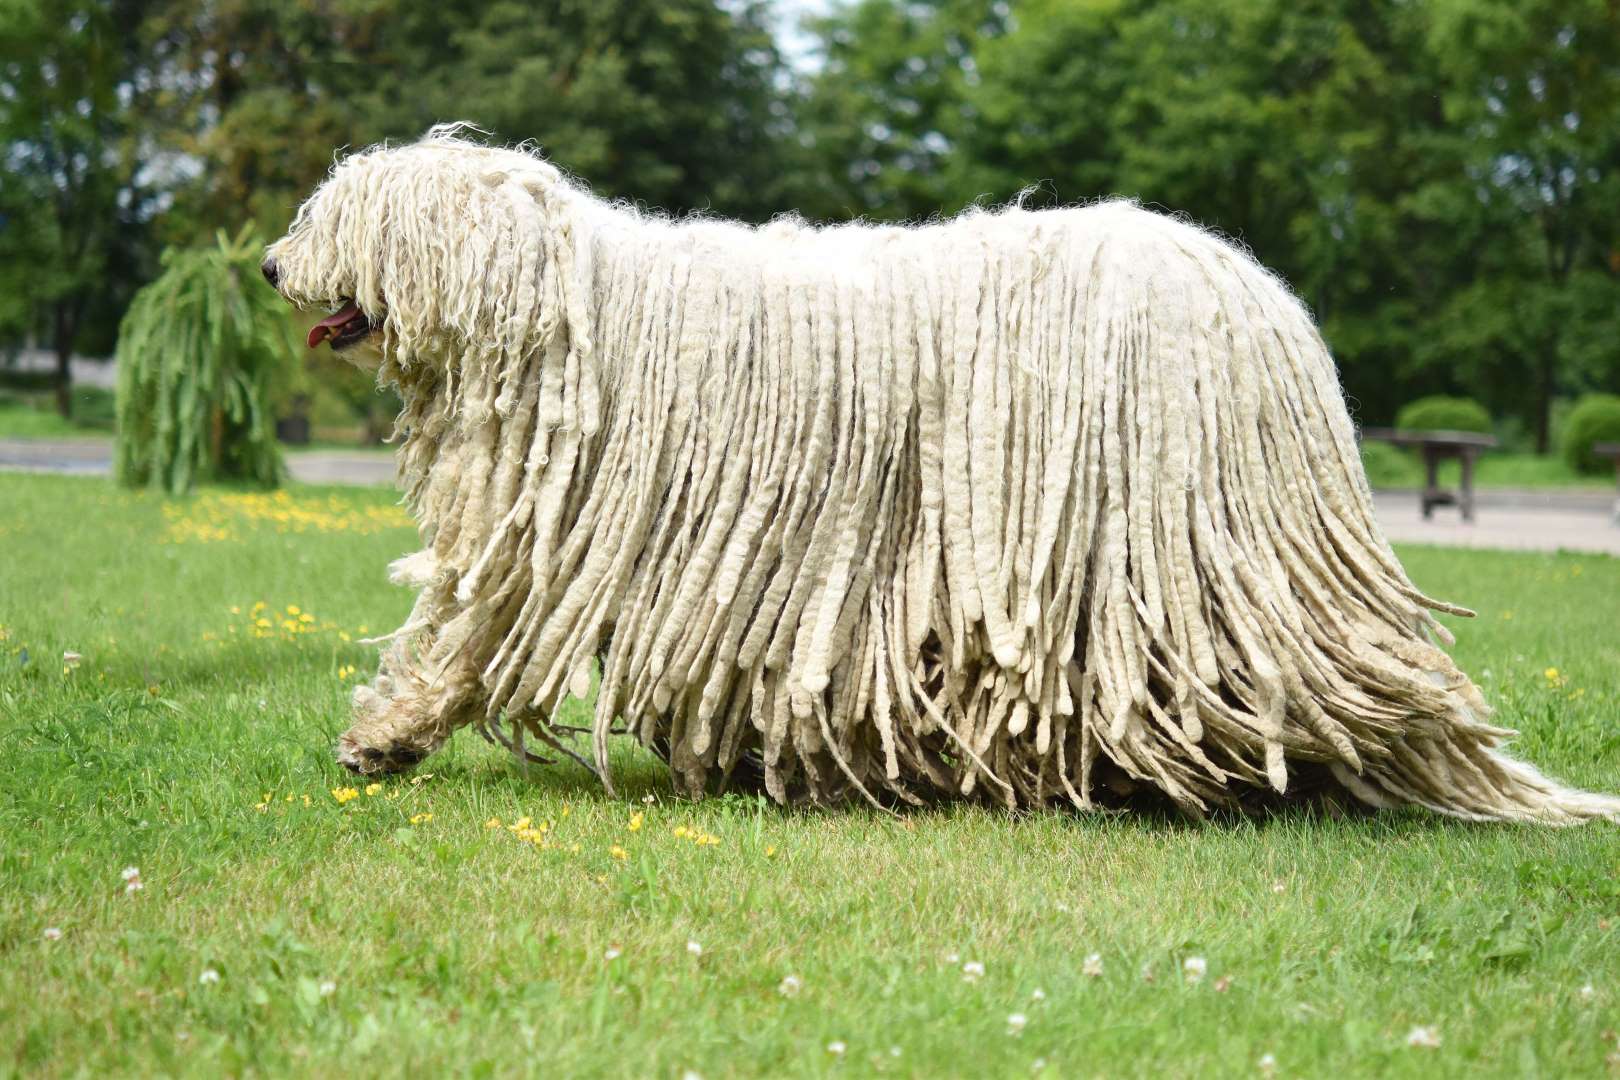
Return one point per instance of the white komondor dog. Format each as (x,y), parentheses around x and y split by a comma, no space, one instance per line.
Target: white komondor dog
(1052,505)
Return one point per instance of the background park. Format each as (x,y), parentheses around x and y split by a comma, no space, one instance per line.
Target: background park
(192,886)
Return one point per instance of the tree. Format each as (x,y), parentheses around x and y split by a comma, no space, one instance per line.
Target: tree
(1533,121)
(198,354)
(1436,179)
(74,204)
(676,103)
(884,116)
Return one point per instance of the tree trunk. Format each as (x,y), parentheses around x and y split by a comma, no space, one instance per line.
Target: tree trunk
(1544,398)
(64,361)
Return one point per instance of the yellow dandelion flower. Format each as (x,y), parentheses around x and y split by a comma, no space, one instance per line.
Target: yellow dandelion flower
(344,794)
(421,819)
(372,789)
(679,831)
(635,821)
(1551,674)
(618,852)
(306,800)
(493,823)
(292,609)
(306,617)
(770,850)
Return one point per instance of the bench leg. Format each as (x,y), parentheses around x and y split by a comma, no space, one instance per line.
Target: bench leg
(1431,483)
(1466,495)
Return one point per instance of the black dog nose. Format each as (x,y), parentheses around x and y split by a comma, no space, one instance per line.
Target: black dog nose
(271,274)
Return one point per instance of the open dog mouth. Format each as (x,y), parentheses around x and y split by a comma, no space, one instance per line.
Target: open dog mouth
(343,327)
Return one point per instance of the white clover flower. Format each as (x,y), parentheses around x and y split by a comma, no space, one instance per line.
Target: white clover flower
(613,953)
(327,988)
(790,986)
(953,958)
(1267,1064)
(208,977)
(1427,1038)
(836,1048)
(130,873)
(53,933)
(1015,1023)
(649,798)
(972,971)
(1193,969)
(694,948)
(1092,967)
(1588,992)
(1037,994)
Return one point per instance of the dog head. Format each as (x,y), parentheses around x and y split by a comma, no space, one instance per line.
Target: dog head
(423,251)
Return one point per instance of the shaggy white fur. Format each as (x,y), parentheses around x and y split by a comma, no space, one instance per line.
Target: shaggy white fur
(1044,505)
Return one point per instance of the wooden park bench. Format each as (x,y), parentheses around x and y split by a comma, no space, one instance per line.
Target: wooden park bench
(1611,450)
(1437,446)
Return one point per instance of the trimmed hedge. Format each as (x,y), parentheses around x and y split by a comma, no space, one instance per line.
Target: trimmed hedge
(1594,419)
(27,382)
(1441,413)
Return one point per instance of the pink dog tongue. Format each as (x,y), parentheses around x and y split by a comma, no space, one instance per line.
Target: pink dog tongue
(332,325)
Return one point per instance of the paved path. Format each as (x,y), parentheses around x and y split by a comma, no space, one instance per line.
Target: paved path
(93,457)
(1523,520)
(1516,520)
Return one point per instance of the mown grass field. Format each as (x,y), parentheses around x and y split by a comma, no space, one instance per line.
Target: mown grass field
(402,931)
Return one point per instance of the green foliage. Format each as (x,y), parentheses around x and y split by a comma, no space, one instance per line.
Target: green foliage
(1388,466)
(343,396)
(198,356)
(674,103)
(74,200)
(31,413)
(1595,419)
(1437,180)
(1438,412)
(26,382)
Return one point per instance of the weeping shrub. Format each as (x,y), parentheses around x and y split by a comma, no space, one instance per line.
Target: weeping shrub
(199,353)
(1594,419)
(1441,413)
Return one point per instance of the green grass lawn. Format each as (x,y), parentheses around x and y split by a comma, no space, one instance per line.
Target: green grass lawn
(404,932)
(1390,467)
(26,421)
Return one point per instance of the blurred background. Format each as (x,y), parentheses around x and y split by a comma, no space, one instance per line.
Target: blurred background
(1439,180)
